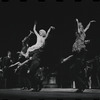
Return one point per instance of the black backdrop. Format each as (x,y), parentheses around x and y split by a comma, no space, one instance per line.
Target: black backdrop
(17,18)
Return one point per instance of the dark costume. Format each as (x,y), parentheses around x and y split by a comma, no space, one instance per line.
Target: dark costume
(35,64)
(79,54)
(7,72)
(23,79)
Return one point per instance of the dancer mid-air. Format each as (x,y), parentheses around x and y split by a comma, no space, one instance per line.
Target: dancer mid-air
(41,38)
(80,42)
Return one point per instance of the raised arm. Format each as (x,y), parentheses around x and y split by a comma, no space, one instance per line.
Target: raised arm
(87,27)
(34,29)
(78,25)
(51,27)
(77,21)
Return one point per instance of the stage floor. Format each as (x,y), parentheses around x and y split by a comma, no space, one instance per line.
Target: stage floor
(48,93)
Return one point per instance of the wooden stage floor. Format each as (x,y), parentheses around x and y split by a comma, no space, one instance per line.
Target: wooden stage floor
(49,93)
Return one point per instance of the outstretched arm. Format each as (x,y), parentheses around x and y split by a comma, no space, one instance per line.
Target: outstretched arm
(24,39)
(87,27)
(87,41)
(30,33)
(49,31)
(27,37)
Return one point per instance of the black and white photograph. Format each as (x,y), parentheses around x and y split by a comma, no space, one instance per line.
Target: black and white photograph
(50,49)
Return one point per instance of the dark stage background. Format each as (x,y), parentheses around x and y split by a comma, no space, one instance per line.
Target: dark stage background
(17,18)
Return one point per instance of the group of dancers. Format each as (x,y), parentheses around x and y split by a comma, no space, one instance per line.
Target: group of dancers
(28,56)
(29,62)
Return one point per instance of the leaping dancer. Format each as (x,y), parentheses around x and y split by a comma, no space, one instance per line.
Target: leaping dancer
(41,37)
(80,41)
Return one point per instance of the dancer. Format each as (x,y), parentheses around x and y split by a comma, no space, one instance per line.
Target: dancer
(25,45)
(79,51)
(80,42)
(7,73)
(80,37)
(35,51)
(23,79)
(41,37)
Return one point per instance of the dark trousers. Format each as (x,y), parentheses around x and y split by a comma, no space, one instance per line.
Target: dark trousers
(23,77)
(78,72)
(33,69)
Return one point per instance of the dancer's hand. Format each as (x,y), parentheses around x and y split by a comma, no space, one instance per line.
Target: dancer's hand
(52,27)
(62,60)
(87,41)
(31,32)
(34,27)
(76,19)
(92,21)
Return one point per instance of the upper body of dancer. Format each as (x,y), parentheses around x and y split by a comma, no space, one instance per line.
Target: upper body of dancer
(41,38)
(7,61)
(80,41)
